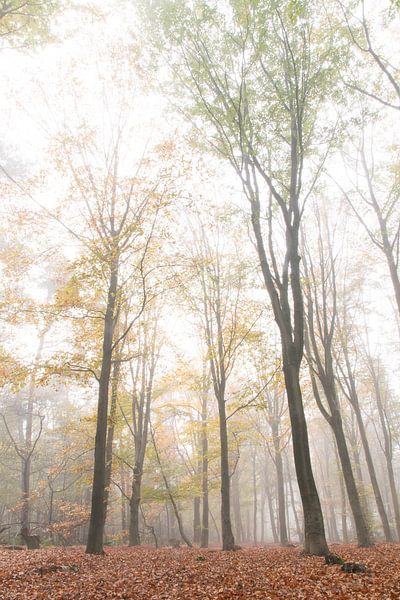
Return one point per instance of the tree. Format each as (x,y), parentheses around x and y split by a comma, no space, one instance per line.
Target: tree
(259,75)
(347,379)
(385,89)
(376,190)
(25,22)
(382,395)
(119,213)
(321,303)
(142,373)
(220,285)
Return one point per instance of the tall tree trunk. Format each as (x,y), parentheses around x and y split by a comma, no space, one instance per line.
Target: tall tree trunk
(123,503)
(280,484)
(196,520)
(372,475)
(171,498)
(360,522)
(388,445)
(321,365)
(141,422)
(271,515)
(254,499)
(343,506)
(262,515)
(299,530)
(314,532)
(292,340)
(353,398)
(228,541)
(237,516)
(98,510)
(204,473)
(110,432)
(134,506)
(28,441)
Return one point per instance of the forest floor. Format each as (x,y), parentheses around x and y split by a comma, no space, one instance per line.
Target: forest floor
(185,574)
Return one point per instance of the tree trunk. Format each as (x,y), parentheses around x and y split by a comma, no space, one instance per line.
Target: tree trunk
(272,516)
(134,505)
(280,485)
(314,532)
(28,442)
(172,499)
(236,505)
(110,433)
(388,448)
(299,530)
(228,541)
(254,500)
(324,369)
(343,507)
(363,534)
(98,510)
(372,475)
(196,520)
(292,340)
(123,504)
(204,474)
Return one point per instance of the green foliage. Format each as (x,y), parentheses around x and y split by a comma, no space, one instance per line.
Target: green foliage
(250,69)
(25,23)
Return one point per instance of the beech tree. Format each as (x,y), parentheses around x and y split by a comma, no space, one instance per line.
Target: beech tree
(321,337)
(142,372)
(382,394)
(119,212)
(347,372)
(258,76)
(217,299)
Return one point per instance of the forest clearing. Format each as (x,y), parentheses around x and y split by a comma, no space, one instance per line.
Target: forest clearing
(192,574)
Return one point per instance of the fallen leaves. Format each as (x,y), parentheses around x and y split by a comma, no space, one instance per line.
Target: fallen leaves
(144,573)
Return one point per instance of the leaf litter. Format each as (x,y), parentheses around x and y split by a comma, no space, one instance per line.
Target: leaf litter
(144,573)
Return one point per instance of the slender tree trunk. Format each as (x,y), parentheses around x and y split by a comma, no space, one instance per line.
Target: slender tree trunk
(97,515)
(28,442)
(372,475)
(134,505)
(123,504)
(388,448)
(285,488)
(293,503)
(26,478)
(262,515)
(141,418)
(352,395)
(363,534)
(343,505)
(110,433)
(254,499)
(236,504)
(204,474)
(314,532)
(171,498)
(280,484)
(292,339)
(214,522)
(228,541)
(326,376)
(272,516)
(196,521)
